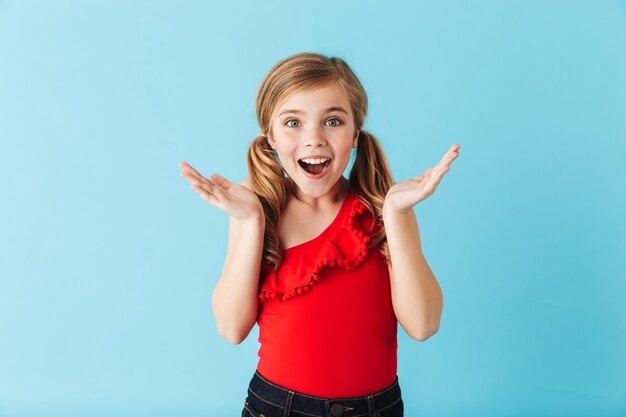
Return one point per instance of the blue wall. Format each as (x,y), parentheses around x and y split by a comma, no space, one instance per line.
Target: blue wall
(108,258)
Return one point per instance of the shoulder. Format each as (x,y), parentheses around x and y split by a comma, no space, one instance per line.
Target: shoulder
(246,183)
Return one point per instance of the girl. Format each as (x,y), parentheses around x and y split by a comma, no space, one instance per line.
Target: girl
(310,253)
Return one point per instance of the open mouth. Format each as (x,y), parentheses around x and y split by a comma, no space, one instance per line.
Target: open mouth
(314,169)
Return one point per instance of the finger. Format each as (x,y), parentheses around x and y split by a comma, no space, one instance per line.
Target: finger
(193,176)
(195,179)
(211,190)
(437,168)
(208,187)
(445,162)
(189,169)
(424,174)
(433,181)
(221,181)
(440,172)
(448,157)
(204,193)
(453,153)
(435,177)
(438,178)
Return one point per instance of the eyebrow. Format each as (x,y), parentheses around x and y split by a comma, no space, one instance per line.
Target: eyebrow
(328,110)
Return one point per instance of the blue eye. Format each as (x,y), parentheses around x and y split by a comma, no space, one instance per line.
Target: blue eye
(338,122)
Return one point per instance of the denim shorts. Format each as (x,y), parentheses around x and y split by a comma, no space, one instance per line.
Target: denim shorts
(267,399)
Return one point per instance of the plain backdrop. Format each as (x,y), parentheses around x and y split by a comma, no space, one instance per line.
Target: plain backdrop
(108,258)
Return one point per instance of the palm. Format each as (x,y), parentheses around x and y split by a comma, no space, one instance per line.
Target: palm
(233,199)
(404,195)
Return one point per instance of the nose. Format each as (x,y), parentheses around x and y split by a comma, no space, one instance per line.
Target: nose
(315,136)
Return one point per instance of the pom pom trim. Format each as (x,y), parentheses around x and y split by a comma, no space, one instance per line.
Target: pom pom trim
(348,264)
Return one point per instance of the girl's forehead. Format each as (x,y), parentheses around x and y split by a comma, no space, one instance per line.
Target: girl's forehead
(308,99)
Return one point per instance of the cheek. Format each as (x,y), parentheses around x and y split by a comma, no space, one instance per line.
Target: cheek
(347,150)
(284,138)
(287,135)
(285,149)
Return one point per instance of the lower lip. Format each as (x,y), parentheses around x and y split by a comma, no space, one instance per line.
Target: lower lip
(316,176)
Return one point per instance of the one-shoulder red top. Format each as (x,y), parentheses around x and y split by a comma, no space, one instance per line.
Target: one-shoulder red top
(326,321)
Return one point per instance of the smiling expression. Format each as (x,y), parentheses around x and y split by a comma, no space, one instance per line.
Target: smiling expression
(315,123)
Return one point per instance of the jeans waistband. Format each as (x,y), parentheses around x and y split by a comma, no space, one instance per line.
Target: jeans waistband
(282,397)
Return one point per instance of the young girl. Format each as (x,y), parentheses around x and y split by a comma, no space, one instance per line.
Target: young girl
(310,253)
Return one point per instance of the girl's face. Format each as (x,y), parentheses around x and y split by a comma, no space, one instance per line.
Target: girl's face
(313,125)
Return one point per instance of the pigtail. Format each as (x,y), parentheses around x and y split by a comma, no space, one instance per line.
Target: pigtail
(371,177)
(268,182)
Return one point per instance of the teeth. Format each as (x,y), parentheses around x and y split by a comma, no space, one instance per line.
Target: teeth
(315,161)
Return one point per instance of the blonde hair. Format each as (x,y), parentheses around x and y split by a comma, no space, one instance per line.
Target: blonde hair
(370,177)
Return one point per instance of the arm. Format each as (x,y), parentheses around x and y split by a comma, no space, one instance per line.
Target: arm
(235,297)
(416,295)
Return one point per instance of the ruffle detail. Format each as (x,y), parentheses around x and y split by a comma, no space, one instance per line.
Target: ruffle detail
(346,247)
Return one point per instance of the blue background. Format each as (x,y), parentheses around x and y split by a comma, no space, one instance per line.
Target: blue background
(108,258)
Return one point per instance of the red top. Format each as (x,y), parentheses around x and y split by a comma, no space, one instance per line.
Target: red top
(327,326)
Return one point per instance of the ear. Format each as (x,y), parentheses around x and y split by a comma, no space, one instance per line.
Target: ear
(355,140)
(269,140)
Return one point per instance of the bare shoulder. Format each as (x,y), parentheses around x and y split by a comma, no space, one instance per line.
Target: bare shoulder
(246,183)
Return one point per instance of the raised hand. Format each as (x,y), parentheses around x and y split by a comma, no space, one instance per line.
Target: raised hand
(233,199)
(404,195)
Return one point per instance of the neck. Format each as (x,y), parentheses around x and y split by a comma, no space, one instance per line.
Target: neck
(336,194)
